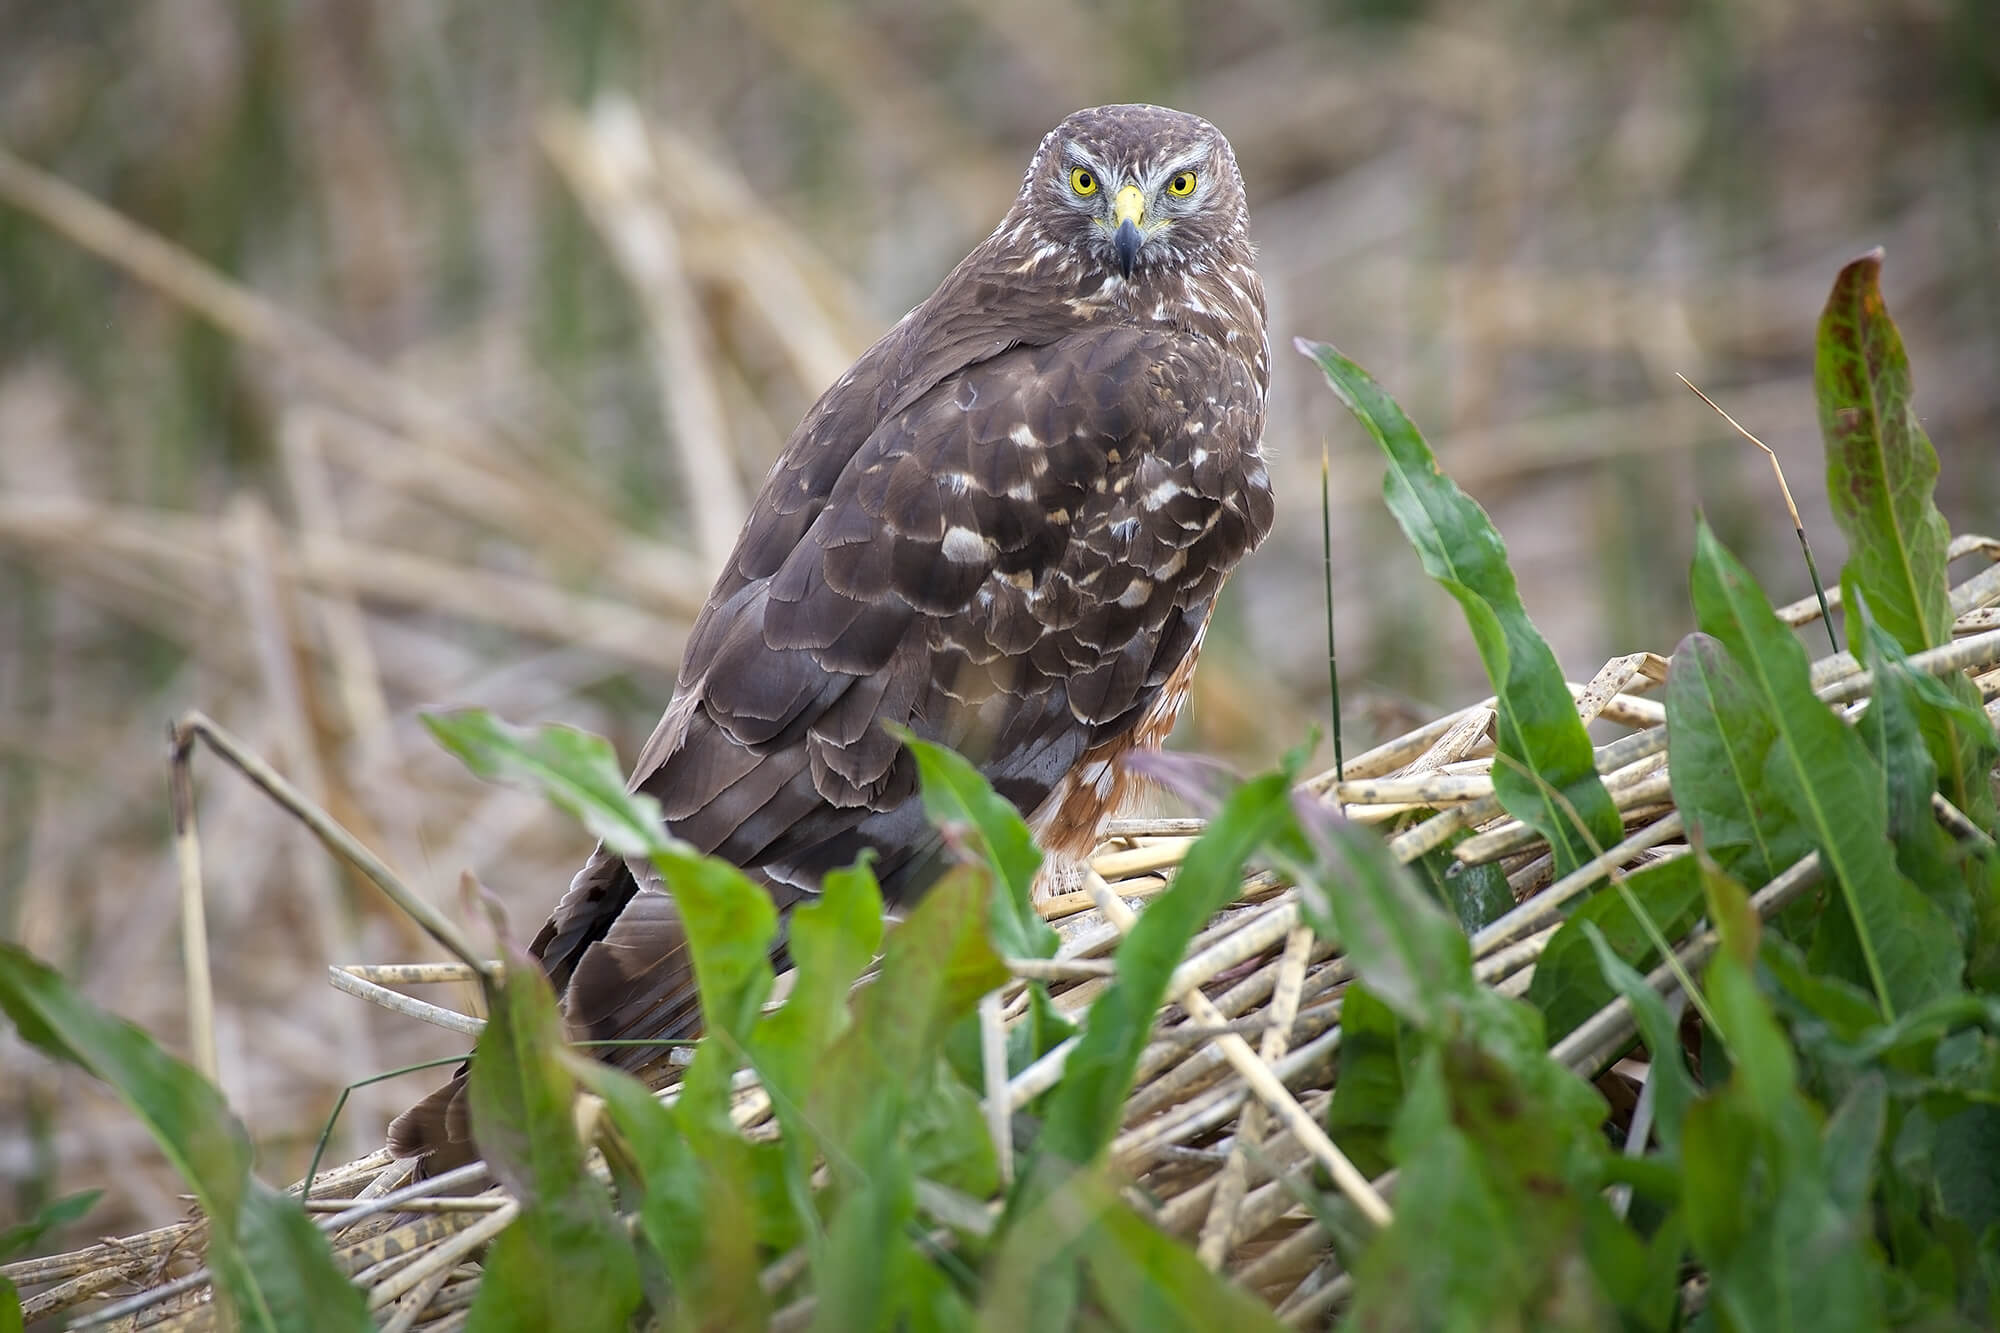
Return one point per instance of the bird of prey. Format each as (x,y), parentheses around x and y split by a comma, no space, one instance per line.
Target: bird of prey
(1003,528)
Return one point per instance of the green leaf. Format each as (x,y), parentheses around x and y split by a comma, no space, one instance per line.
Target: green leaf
(696,1198)
(1966,1157)
(937,965)
(1489,1229)
(1673,1086)
(574,769)
(1147,1281)
(1852,1137)
(1373,1071)
(832,938)
(1569,984)
(1828,781)
(1820,1003)
(1141,1278)
(730,924)
(565,1261)
(1776,1228)
(1086,1107)
(1893,733)
(26,1235)
(1404,948)
(1881,473)
(52,1216)
(958,798)
(1545,774)
(1720,734)
(284,1280)
(1477,895)
(1881,470)
(1640,1277)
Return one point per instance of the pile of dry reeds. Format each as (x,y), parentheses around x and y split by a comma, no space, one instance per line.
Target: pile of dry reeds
(1223,1127)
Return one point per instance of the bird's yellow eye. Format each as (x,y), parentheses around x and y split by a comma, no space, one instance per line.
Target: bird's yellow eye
(1083,181)
(1182,184)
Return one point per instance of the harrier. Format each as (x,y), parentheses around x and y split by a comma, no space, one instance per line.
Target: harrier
(1003,528)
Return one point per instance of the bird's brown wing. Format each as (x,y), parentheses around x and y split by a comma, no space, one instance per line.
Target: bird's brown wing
(1012,563)
(986,571)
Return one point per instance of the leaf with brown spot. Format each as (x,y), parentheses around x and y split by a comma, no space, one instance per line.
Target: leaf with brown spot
(1881,471)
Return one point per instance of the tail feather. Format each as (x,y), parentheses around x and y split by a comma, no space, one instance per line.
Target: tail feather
(437,1131)
(621,961)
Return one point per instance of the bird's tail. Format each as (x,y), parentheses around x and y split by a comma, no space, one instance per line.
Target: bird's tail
(437,1131)
(619,955)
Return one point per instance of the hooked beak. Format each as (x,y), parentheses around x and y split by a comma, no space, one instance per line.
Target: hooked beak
(1129,210)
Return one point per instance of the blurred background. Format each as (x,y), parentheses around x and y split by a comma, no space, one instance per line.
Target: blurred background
(358,358)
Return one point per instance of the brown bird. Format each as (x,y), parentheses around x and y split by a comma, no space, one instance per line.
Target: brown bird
(1003,528)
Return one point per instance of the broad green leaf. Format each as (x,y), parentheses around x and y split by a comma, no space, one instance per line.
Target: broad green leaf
(1086,1107)
(1719,740)
(1147,1281)
(26,1235)
(865,1240)
(1825,776)
(1767,1217)
(832,939)
(1882,474)
(1374,1067)
(574,769)
(1545,774)
(272,1267)
(1815,1003)
(1881,470)
(730,925)
(957,797)
(1913,720)
(51,1216)
(1405,949)
(938,963)
(1477,895)
(1673,1086)
(1894,736)
(936,966)
(1640,1276)
(1966,1157)
(1489,1228)
(1852,1136)
(944,1131)
(696,1201)
(565,1262)
(1569,984)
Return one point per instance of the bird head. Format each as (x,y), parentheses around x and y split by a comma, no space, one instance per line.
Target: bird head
(1130,191)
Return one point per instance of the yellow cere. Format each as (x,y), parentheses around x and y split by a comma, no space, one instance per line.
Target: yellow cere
(1182,185)
(1082,181)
